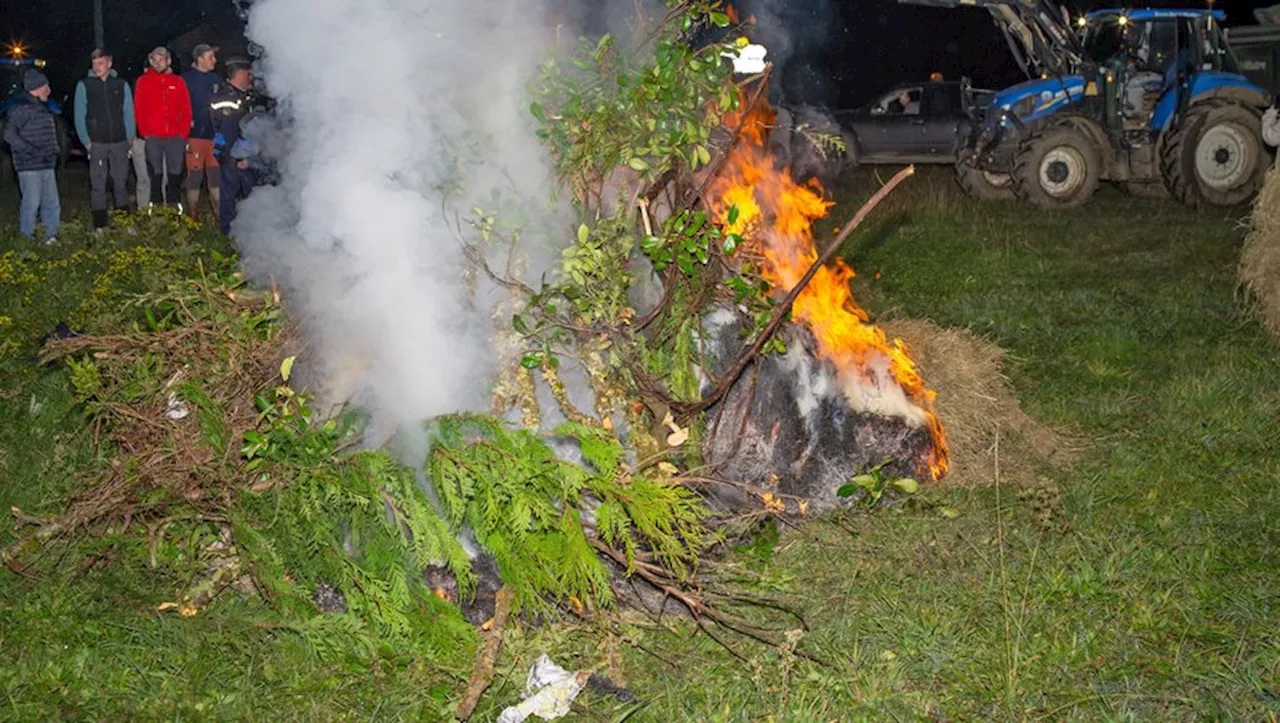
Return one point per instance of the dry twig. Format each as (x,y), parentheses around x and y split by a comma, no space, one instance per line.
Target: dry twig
(482,674)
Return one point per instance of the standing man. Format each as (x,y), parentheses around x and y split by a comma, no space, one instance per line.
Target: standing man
(32,135)
(230,105)
(104,123)
(163,107)
(202,84)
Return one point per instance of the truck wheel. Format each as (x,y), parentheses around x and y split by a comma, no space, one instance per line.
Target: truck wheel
(1057,168)
(980,184)
(1215,156)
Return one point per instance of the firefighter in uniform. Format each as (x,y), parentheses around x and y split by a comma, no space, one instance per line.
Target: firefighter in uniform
(228,108)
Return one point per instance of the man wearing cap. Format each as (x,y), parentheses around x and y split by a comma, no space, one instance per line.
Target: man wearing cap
(202,83)
(32,135)
(104,123)
(229,107)
(163,107)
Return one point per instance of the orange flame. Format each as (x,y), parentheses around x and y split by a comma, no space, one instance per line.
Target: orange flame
(775,218)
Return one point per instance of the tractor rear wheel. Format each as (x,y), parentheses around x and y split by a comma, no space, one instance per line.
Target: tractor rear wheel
(980,184)
(1056,168)
(1215,156)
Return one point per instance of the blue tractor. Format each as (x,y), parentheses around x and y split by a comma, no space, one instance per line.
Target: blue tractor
(1149,98)
(11,71)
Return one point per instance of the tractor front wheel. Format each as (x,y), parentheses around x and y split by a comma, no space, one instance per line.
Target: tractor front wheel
(1215,156)
(980,184)
(1056,168)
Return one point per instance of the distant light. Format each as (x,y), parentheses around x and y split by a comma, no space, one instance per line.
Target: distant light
(17,50)
(1124,20)
(1082,21)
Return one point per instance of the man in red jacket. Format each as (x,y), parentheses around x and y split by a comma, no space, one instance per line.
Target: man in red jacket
(163,109)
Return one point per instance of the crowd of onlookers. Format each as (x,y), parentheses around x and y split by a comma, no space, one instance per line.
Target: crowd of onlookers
(180,134)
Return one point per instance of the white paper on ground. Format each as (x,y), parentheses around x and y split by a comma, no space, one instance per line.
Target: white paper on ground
(549,691)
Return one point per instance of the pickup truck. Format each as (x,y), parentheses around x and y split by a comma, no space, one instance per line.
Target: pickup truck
(915,123)
(931,122)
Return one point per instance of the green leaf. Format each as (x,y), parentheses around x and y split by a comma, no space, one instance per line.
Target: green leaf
(721,20)
(704,155)
(517,321)
(734,212)
(286,367)
(846,491)
(536,110)
(584,233)
(949,513)
(730,244)
(531,361)
(865,480)
(906,485)
(638,164)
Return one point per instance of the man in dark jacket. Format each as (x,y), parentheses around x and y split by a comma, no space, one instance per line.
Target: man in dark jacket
(105,125)
(229,107)
(202,84)
(32,135)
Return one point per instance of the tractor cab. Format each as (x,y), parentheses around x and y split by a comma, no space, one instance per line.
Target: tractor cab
(1150,59)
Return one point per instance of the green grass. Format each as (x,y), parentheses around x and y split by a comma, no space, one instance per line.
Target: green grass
(1160,602)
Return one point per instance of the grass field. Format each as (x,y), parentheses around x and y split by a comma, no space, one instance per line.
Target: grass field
(1144,585)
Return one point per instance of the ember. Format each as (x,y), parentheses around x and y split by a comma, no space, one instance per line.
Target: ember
(775,216)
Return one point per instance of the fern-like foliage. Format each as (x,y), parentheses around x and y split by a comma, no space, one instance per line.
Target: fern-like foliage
(359,523)
(536,513)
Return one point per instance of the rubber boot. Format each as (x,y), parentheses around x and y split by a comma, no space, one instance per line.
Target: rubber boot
(157,189)
(99,219)
(175,190)
(215,197)
(193,202)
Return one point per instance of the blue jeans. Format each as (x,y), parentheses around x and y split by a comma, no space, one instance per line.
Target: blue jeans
(39,194)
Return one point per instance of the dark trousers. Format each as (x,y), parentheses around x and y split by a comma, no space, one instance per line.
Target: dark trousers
(108,160)
(236,184)
(162,154)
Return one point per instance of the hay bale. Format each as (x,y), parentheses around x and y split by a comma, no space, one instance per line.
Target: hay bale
(1260,262)
(976,404)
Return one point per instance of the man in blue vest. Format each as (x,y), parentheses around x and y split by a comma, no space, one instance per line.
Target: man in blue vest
(105,125)
(230,106)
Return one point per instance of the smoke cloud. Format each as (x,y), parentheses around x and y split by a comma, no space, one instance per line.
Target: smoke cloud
(395,118)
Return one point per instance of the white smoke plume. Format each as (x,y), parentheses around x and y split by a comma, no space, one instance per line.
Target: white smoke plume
(396,115)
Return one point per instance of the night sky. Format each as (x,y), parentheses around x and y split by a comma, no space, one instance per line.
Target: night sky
(841,52)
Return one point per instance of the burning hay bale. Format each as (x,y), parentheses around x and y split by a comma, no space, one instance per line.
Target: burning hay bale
(793,426)
(1260,264)
(977,406)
